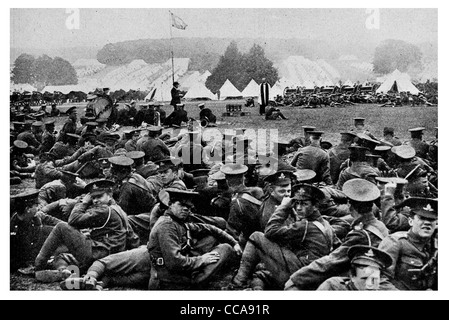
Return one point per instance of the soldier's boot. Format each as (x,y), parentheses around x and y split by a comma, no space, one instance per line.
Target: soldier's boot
(249,261)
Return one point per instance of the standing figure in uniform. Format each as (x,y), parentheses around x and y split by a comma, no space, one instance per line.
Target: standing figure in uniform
(416,142)
(175,94)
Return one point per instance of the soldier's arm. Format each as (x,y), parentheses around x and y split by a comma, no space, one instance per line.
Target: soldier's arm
(84,216)
(326,171)
(391,246)
(220,235)
(337,262)
(277,231)
(393,220)
(170,246)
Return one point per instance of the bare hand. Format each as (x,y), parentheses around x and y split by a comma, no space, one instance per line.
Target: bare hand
(87,199)
(210,257)
(238,249)
(286,201)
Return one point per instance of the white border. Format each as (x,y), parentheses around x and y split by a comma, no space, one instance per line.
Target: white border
(217,295)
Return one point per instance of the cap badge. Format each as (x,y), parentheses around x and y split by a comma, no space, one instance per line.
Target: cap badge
(370,253)
(428,208)
(282,176)
(302,192)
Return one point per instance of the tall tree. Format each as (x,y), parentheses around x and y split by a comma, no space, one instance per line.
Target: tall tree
(61,73)
(241,68)
(396,54)
(23,69)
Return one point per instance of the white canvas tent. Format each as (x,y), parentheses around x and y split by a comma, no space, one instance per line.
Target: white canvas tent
(228,90)
(251,90)
(276,89)
(348,83)
(199,90)
(160,92)
(398,82)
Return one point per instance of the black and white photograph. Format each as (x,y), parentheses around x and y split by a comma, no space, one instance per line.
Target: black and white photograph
(223,150)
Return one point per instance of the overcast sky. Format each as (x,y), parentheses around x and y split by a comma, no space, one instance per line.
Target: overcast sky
(39,28)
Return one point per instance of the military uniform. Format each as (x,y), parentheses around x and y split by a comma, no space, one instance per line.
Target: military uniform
(337,156)
(154,149)
(30,139)
(62,150)
(288,246)
(45,173)
(68,127)
(176,118)
(357,170)
(410,252)
(131,145)
(316,159)
(366,230)
(48,141)
(135,195)
(27,232)
(421,147)
(175,262)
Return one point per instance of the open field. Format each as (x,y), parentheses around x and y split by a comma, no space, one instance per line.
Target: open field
(330,120)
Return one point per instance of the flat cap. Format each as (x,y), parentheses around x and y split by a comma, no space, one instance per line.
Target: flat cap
(135,155)
(71,110)
(391,180)
(49,122)
(418,129)
(37,124)
(349,134)
(99,186)
(186,197)
(361,190)
(101,120)
(26,195)
(326,145)
(218,176)
(121,161)
(369,256)
(316,133)
(404,151)
(111,137)
(280,178)
(425,207)
(72,135)
(382,148)
(359,119)
(200,173)
(308,128)
(92,123)
(167,163)
(304,175)
(303,191)
(154,129)
(234,169)
(20,144)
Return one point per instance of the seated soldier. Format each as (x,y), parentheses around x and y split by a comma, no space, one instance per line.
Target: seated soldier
(295,235)
(186,255)
(132,192)
(128,268)
(46,170)
(27,232)
(21,165)
(274,113)
(68,186)
(207,114)
(103,224)
(244,214)
(415,252)
(367,263)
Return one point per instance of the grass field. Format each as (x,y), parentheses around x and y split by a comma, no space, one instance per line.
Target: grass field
(330,120)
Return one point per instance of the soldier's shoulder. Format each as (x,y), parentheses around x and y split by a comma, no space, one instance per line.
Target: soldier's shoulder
(399,235)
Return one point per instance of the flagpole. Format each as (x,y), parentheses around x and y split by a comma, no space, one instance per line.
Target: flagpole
(171,49)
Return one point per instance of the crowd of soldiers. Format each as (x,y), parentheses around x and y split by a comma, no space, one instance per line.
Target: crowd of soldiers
(345,96)
(172,212)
